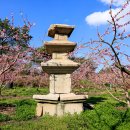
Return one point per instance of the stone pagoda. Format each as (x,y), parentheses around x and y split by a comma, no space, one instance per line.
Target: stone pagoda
(60,100)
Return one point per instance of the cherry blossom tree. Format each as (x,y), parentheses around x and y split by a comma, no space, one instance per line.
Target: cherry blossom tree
(84,72)
(108,49)
(14,47)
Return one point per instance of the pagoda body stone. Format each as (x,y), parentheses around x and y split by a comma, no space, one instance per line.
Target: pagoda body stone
(60,100)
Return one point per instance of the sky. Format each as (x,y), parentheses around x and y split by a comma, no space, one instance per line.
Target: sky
(86,15)
(43,13)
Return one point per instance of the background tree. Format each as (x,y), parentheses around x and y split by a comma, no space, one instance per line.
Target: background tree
(31,74)
(108,49)
(83,73)
(14,48)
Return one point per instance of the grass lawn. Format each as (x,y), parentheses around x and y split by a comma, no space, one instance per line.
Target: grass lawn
(17,112)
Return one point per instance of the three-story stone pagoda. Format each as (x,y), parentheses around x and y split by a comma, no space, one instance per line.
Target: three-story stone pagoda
(60,100)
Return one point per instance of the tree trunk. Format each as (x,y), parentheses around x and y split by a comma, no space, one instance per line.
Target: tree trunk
(0,90)
(127,98)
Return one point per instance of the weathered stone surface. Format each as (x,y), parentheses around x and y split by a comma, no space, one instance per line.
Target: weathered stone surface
(60,56)
(60,37)
(60,62)
(60,33)
(59,46)
(50,109)
(60,83)
(60,109)
(60,100)
(72,97)
(60,29)
(39,109)
(73,108)
(59,66)
(60,97)
(47,97)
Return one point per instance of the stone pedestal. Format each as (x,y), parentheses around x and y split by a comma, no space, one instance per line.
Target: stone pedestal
(59,104)
(60,100)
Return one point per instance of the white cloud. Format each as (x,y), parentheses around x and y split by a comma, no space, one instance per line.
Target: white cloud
(99,18)
(115,2)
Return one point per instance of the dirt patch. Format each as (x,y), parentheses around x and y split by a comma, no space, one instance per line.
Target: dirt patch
(15,97)
(121,108)
(7,109)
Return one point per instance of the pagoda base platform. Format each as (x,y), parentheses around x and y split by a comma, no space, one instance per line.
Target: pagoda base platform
(59,104)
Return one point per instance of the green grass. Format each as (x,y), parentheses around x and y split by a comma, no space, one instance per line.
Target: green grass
(25,110)
(108,118)
(24,91)
(108,114)
(4,117)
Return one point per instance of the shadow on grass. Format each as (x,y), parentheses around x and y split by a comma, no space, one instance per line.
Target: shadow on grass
(89,104)
(95,100)
(120,104)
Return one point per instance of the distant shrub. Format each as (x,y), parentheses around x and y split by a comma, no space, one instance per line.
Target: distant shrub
(33,81)
(85,83)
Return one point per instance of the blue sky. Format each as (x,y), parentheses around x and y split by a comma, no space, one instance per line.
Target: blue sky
(84,14)
(46,12)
